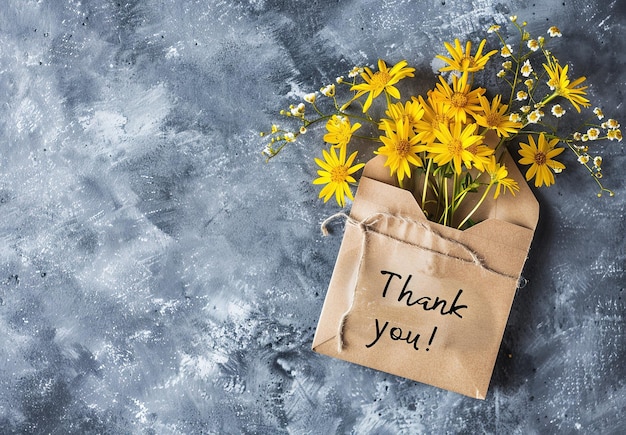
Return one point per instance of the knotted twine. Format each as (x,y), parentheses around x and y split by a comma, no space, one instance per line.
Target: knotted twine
(367,226)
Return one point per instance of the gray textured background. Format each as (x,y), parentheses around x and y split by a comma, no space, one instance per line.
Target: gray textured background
(158,277)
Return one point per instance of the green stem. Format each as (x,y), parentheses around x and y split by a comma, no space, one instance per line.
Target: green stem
(477,206)
(424,189)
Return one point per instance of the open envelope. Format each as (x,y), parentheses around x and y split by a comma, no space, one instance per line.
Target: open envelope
(420,300)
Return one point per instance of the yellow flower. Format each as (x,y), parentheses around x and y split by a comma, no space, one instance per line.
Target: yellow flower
(560,83)
(459,100)
(452,145)
(401,148)
(540,156)
(434,115)
(336,174)
(480,155)
(464,61)
(340,131)
(410,113)
(382,80)
(494,117)
(498,174)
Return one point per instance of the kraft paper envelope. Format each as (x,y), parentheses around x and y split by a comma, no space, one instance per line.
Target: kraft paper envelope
(420,300)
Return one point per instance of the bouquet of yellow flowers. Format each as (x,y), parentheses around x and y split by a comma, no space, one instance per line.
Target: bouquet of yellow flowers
(446,145)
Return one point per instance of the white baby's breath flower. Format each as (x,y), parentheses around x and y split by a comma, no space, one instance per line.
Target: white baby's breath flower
(355,71)
(598,112)
(614,134)
(310,98)
(521,95)
(554,32)
(515,117)
(339,79)
(493,28)
(526,68)
(506,51)
(612,123)
(535,116)
(290,137)
(328,91)
(533,44)
(578,136)
(593,133)
(597,161)
(583,159)
(525,109)
(558,110)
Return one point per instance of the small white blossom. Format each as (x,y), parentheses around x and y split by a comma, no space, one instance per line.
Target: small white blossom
(533,44)
(598,112)
(328,91)
(515,117)
(310,98)
(355,71)
(558,110)
(597,161)
(554,32)
(526,68)
(535,116)
(593,133)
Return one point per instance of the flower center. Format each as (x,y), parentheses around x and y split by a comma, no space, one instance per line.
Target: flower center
(468,61)
(455,147)
(339,174)
(403,147)
(540,158)
(439,119)
(459,99)
(493,120)
(380,80)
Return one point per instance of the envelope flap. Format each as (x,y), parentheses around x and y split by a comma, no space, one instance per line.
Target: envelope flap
(519,209)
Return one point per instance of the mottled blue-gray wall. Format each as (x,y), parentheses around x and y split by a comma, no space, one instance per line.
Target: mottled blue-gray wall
(157,276)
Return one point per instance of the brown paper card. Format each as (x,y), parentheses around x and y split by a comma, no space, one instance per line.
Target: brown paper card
(420,300)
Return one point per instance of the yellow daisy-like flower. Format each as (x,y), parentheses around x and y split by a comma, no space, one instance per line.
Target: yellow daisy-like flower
(382,80)
(560,83)
(464,61)
(336,174)
(459,100)
(452,145)
(340,131)
(434,115)
(401,148)
(539,156)
(495,118)
(498,174)
(410,113)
